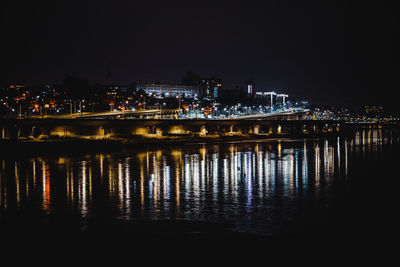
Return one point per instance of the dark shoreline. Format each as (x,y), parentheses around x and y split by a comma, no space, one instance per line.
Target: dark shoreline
(117,144)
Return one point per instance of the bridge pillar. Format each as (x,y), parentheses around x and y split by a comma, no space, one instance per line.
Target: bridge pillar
(176,129)
(138,130)
(101,131)
(256,129)
(337,128)
(59,131)
(159,131)
(278,129)
(270,129)
(314,129)
(203,131)
(106,131)
(323,128)
(304,129)
(235,129)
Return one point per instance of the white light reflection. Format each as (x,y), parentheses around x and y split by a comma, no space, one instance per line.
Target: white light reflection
(345,158)
(45,187)
(338,153)
(17,184)
(260,172)
(82,190)
(181,182)
(305,166)
(317,165)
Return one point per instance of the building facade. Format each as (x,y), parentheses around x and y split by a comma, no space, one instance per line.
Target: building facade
(210,88)
(250,89)
(169,90)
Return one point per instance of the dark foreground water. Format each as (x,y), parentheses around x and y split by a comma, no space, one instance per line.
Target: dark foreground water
(257,189)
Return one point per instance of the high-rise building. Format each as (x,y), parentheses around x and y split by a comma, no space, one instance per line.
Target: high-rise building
(210,88)
(250,88)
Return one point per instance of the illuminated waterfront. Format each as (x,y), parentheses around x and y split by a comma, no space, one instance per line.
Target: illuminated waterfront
(275,187)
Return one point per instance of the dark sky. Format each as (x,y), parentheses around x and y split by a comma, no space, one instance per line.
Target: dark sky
(328,53)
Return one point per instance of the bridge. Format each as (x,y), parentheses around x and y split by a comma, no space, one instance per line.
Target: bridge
(38,129)
(150,113)
(169,114)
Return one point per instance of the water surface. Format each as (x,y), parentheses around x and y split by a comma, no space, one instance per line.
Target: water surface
(263,188)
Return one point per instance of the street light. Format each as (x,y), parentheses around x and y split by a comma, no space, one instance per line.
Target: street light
(271,94)
(283,99)
(179,100)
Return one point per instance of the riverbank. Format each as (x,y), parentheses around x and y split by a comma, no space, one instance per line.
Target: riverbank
(70,144)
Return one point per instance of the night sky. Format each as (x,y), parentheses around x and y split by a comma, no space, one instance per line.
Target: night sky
(327,53)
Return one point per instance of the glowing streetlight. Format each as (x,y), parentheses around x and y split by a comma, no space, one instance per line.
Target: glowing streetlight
(271,94)
(179,101)
(283,99)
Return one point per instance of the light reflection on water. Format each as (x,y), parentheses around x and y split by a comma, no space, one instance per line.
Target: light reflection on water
(255,186)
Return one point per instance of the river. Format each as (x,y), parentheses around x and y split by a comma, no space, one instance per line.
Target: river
(260,188)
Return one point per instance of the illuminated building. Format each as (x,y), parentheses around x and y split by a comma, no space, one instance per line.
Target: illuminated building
(168,90)
(210,88)
(250,88)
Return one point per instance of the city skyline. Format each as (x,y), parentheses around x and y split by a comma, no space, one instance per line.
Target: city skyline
(130,125)
(327,53)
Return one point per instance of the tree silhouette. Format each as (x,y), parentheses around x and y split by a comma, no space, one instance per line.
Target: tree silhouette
(76,88)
